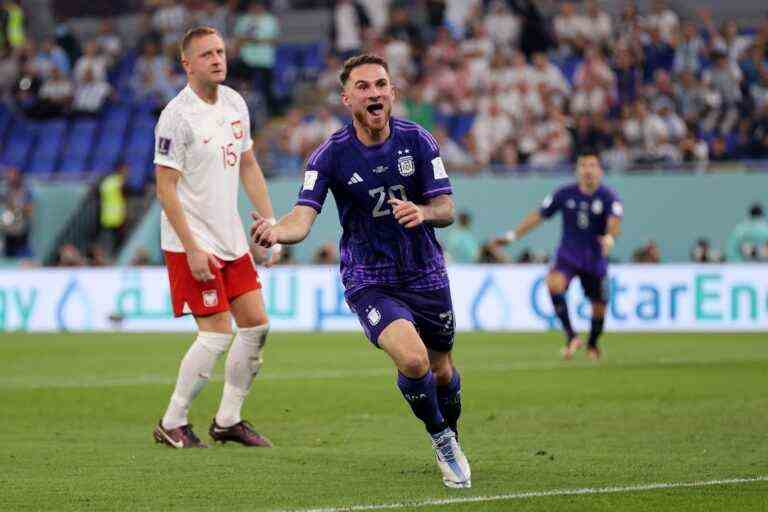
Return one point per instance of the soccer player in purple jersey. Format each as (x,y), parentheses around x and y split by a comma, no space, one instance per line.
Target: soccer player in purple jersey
(592,216)
(391,191)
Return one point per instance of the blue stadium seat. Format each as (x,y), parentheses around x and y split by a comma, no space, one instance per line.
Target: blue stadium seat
(139,150)
(45,154)
(77,148)
(20,140)
(110,144)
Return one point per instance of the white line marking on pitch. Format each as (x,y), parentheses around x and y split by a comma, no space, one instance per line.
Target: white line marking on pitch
(535,494)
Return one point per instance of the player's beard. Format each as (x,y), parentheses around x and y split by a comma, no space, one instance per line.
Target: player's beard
(374,125)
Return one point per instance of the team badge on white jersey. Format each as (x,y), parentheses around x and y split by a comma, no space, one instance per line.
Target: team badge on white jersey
(237,129)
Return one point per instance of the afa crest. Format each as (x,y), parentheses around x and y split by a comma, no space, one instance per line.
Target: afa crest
(405,165)
(237,129)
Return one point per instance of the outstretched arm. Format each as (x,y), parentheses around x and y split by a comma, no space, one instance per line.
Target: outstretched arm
(291,229)
(530,222)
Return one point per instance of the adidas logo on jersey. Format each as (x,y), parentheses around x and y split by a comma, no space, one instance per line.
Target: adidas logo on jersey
(355,179)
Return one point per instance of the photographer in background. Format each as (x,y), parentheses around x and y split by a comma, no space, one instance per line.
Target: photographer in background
(749,239)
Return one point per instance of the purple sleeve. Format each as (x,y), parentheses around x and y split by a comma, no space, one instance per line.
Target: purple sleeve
(316,179)
(615,207)
(551,204)
(431,169)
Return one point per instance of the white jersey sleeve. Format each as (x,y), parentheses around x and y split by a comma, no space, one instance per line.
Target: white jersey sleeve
(172,138)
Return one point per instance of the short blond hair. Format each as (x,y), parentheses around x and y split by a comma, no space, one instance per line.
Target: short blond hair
(196,33)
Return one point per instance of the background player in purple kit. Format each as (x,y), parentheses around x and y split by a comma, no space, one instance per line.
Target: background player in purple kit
(391,190)
(592,216)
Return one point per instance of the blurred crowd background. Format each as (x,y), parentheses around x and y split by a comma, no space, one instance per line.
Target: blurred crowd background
(508,87)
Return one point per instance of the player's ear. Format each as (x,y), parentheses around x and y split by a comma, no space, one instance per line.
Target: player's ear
(344,98)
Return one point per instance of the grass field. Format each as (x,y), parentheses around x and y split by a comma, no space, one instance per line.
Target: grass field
(78,410)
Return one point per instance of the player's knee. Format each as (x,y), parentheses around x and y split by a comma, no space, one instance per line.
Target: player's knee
(414,365)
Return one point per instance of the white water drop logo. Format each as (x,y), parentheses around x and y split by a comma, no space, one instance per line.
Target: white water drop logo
(73,312)
(490,307)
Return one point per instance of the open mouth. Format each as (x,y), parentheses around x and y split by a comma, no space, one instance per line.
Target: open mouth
(375,109)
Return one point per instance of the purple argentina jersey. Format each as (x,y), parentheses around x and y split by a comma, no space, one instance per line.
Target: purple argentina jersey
(375,249)
(585,218)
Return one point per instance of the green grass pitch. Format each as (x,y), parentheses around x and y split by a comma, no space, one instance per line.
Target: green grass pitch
(78,410)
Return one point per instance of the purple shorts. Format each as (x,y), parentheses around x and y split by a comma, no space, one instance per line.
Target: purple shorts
(430,311)
(594,284)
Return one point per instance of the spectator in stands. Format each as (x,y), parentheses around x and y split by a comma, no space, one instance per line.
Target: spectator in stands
(27,90)
(629,76)
(502,26)
(349,23)
(663,20)
(454,156)
(461,245)
(256,31)
(379,13)
(16,210)
(48,57)
(703,252)
(598,27)
(458,14)
(690,50)
(617,158)
(170,19)
(216,15)
(657,54)
(109,41)
(112,209)
(489,130)
(749,238)
(648,253)
(725,79)
(153,75)
(94,60)
(55,95)
(90,95)
(544,72)
(570,29)
(326,254)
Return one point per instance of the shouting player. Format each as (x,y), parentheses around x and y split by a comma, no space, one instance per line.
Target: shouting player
(391,190)
(592,216)
(203,151)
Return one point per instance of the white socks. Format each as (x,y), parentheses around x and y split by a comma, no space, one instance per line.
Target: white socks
(194,373)
(243,363)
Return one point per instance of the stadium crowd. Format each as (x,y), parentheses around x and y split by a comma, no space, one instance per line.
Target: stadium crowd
(497,82)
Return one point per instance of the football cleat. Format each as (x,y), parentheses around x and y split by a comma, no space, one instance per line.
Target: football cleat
(242,433)
(571,348)
(180,437)
(593,353)
(451,460)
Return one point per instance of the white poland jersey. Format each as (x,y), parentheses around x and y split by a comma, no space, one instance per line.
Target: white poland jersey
(205,143)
